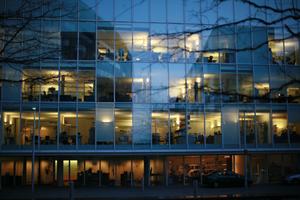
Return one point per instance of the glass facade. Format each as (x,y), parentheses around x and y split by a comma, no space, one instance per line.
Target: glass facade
(124,76)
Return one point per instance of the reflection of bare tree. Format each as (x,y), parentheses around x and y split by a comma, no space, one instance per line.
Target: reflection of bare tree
(24,42)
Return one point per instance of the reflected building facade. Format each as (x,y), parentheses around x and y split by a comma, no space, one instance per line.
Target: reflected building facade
(153,90)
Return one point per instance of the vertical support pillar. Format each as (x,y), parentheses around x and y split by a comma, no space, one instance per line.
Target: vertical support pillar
(166,171)
(131,173)
(146,171)
(39,171)
(60,173)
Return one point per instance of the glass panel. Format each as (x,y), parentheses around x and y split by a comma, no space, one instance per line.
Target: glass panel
(68,128)
(28,129)
(225,17)
(246,121)
(141,10)
(51,39)
(291,46)
(279,126)
(160,127)
(105,41)
(86,85)
(227,43)
(158,10)
(176,47)
(68,84)
(123,42)
(294,124)
(159,83)
(31,84)
(194,81)
(175,11)
(293,87)
(123,80)
(105,82)
(48,125)
(87,39)
(210,46)
(123,9)
(195,121)
(260,45)
(243,38)
(11,123)
(105,10)
(228,85)
(261,84)
(277,76)
(229,127)
(123,126)
(105,125)
(141,83)
(86,127)
(245,85)
(69,9)
(49,85)
(141,119)
(177,126)
(262,127)
(87,9)
(69,40)
(192,11)
(177,83)
(193,44)
(141,43)
(213,127)
(275,38)
(12,90)
(209,13)
(159,43)
(211,87)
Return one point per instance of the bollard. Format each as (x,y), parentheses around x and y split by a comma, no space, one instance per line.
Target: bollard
(195,187)
(71,190)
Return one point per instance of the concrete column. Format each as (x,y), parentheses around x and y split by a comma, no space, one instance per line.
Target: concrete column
(166,171)
(60,173)
(146,171)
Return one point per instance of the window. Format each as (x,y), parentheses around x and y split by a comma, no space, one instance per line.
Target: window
(68,84)
(141,83)
(261,83)
(141,130)
(105,41)
(279,125)
(245,85)
(123,78)
(123,126)
(160,126)
(86,84)
(49,84)
(246,121)
(212,85)
(177,126)
(228,85)
(195,122)
(262,126)
(104,124)
(31,84)
(87,38)
(213,127)
(177,83)
(194,83)
(69,40)
(105,82)
(158,10)
(159,83)
(123,42)
(86,127)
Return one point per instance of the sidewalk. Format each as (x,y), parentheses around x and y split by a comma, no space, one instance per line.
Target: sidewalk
(162,192)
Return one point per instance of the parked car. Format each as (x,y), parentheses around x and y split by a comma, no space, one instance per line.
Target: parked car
(224,179)
(293,179)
